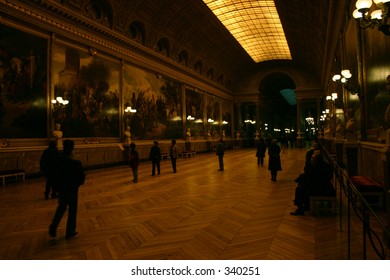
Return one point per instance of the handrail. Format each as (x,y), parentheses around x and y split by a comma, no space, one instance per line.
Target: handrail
(363,211)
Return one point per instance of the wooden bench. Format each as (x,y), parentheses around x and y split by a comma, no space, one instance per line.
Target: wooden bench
(12,173)
(372,191)
(323,205)
(164,156)
(188,154)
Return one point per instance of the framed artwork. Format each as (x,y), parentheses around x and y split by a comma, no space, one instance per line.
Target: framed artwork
(213,118)
(194,111)
(158,105)
(227,117)
(90,82)
(23,78)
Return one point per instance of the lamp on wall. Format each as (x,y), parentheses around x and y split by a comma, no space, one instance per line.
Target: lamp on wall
(130,110)
(343,79)
(58,105)
(377,19)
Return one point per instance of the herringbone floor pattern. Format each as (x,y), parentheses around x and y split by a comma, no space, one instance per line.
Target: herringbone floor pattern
(197,213)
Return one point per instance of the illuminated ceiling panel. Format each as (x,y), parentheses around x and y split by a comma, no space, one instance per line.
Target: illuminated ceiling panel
(255,25)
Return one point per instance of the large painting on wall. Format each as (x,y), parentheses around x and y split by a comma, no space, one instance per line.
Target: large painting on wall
(194,111)
(213,118)
(91,84)
(158,105)
(23,81)
(227,118)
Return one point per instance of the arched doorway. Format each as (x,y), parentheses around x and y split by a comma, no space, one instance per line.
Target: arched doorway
(277,106)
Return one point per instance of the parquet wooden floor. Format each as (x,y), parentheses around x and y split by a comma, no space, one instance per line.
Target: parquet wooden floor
(196,213)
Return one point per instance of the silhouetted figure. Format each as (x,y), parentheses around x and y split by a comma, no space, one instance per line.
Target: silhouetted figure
(173,154)
(260,151)
(315,181)
(155,157)
(47,163)
(69,176)
(274,163)
(220,153)
(134,162)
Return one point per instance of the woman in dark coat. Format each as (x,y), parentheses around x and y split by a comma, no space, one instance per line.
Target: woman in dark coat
(274,164)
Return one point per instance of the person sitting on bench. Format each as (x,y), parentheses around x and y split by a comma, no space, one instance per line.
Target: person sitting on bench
(315,181)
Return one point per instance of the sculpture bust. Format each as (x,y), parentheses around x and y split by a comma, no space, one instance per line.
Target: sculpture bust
(208,135)
(339,129)
(127,135)
(350,127)
(188,135)
(57,133)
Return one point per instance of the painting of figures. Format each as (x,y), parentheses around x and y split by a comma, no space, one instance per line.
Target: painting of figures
(227,118)
(213,118)
(23,64)
(194,110)
(91,85)
(157,102)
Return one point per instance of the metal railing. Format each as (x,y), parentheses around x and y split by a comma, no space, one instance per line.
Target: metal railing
(375,234)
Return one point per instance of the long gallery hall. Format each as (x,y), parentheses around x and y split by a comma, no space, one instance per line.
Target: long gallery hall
(89,79)
(196,213)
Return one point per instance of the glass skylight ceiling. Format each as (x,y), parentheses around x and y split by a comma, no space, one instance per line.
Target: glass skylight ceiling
(289,95)
(255,25)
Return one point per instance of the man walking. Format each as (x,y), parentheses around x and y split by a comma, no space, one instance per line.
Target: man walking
(69,176)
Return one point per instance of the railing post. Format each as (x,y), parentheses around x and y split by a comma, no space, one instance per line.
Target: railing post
(366,221)
(349,219)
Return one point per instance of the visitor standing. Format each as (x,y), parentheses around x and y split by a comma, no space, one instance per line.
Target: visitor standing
(47,162)
(155,157)
(220,153)
(134,162)
(274,163)
(173,154)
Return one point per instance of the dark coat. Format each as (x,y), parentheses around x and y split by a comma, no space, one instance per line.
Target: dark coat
(274,163)
(48,160)
(155,154)
(69,173)
(134,159)
(220,149)
(261,148)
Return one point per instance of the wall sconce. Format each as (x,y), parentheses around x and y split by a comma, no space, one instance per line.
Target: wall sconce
(190,118)
(332,97)
(224,122)
(378,18)
(210,120)
(58,111)
(310,120)
(130,110)
(343,80)
(59,101)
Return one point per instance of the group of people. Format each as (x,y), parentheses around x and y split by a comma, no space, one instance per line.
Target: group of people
(155,157)
(314,181)
(274,162)
(64,175)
